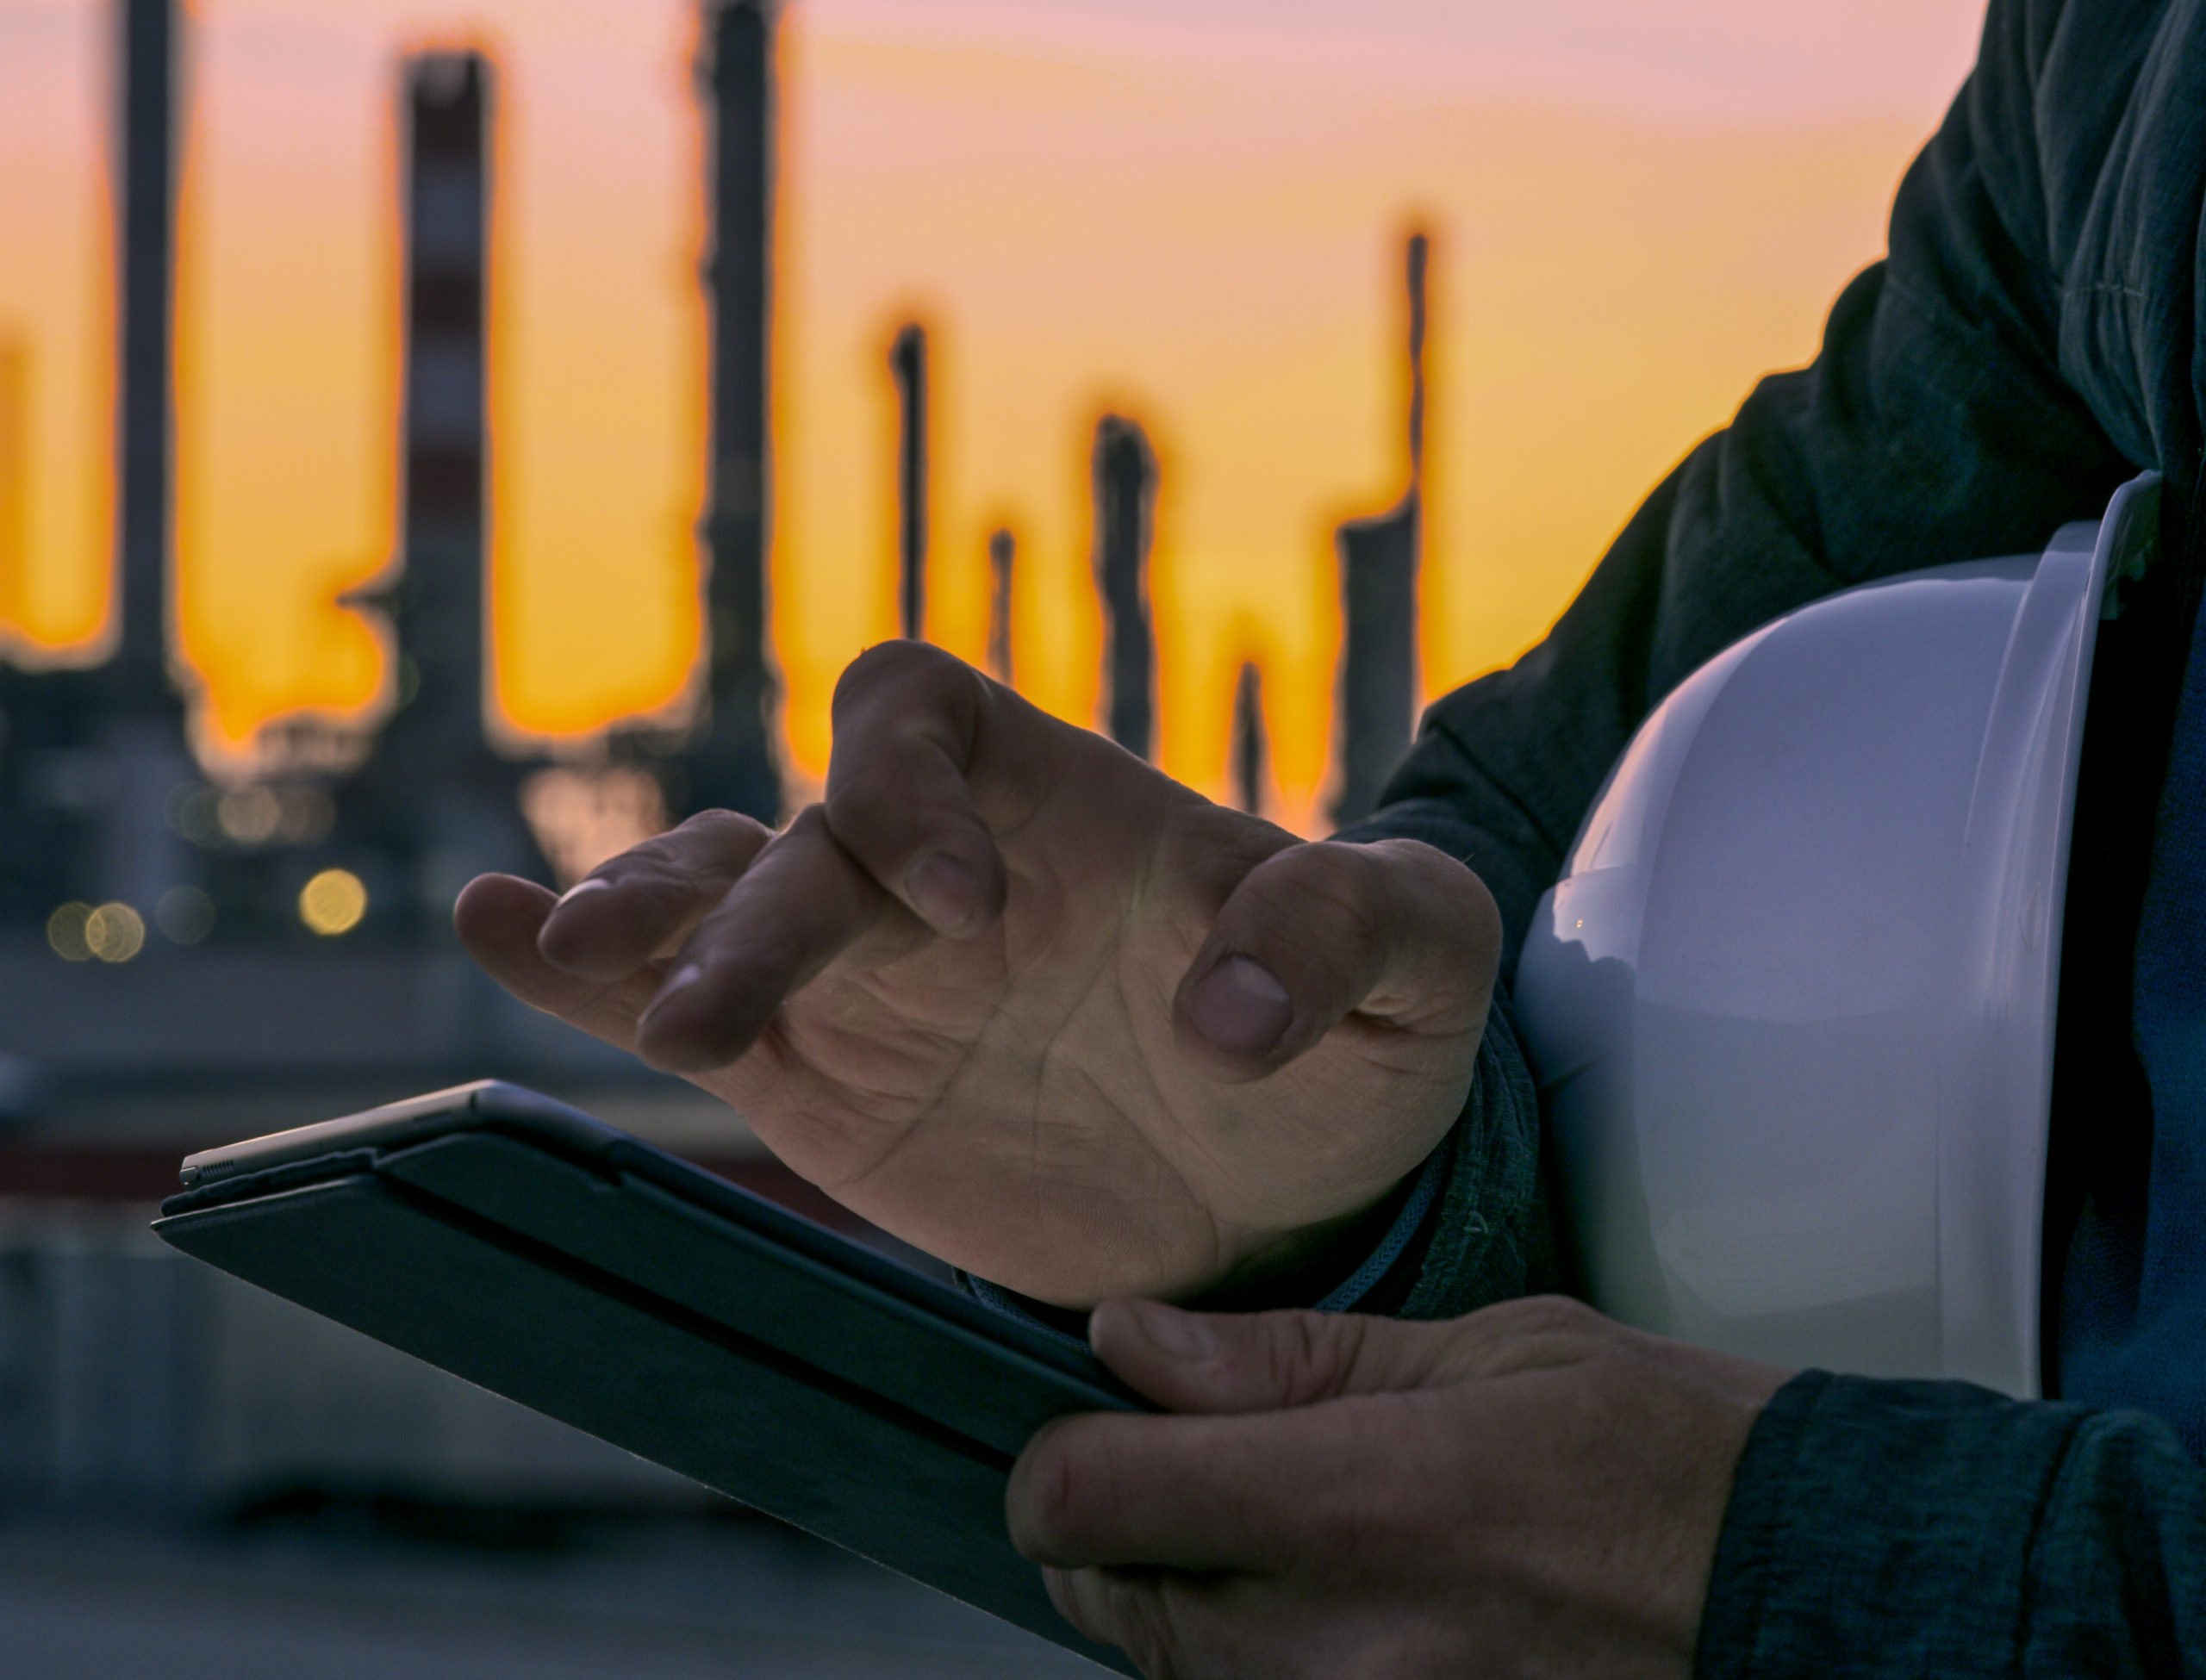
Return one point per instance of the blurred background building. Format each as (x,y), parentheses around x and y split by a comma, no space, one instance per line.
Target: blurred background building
(427,448)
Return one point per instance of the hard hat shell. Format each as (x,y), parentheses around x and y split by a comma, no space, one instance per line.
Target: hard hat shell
(1791,1005)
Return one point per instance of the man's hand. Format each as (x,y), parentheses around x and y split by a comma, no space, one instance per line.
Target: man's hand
(1017,998)
(1530,1490)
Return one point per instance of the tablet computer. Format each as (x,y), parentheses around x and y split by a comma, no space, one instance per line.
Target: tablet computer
(521,1245)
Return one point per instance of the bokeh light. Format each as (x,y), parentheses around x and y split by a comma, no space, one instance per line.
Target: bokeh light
(114,933)
(333,902)
(185,915)
(64,932)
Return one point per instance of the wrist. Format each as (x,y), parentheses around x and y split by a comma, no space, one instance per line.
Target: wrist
(1352,1263)
(1340,1265)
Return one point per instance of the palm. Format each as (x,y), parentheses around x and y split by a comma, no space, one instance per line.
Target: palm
(1024,1102)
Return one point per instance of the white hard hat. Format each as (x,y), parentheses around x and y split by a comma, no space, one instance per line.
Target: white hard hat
(1791,1005)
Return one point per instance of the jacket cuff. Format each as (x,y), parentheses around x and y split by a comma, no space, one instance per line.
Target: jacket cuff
(1881,1528)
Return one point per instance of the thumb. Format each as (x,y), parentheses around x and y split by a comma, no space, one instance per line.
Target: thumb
(1266,1361)
(1394,930)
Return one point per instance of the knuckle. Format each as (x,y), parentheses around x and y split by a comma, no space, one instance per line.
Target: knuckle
(709,840)
(1440,883)
(858,804)
(873,816)
(903,670)
(882,663)
(644,861)
(1558,1314)
(1570,1326)
(1312,906)
(720,826)
(1533,1313)
(1309,1353)
(1346,884)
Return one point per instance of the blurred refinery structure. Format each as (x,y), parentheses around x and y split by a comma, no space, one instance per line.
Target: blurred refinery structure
(432,804)
(908,366)
(1125,529)
(1379,565)
(116,851)
(731,762)
(90,758)
(175,943)
(103,805)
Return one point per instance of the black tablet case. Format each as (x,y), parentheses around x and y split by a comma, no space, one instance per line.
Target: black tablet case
(595,1278)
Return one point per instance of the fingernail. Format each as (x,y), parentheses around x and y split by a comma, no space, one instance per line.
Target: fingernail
(1183,1336)
(594,884)
(944,891)
(1240,1007)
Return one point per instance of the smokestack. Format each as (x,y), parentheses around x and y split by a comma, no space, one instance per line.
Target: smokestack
(101,831)
(145,201)
(731,764)
(15,477)
(907,362)
(1418,261)
(1251,749)
(439,611)
(1002,554)
(434,797)
(140,718)
(1379,566)
(1125,508)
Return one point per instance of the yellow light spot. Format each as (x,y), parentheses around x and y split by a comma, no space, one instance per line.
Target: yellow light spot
(114,933)
(333,902)
(64,932)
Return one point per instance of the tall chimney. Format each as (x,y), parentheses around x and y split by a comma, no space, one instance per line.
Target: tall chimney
(140,718)
(14,477)
(435,798)
(1003,554)
(144,201)
(907,362)
(440,612)
(1125,509)
(730,764)
(1379,566)
(1251,749)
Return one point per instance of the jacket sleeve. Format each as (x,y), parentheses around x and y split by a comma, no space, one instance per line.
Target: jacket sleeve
(1934,426)
(1999,374)
(1889,1529)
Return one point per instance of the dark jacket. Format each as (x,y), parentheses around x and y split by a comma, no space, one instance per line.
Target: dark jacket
(2032,340)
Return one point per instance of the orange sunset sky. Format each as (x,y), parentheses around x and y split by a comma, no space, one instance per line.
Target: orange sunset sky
(1188,211)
